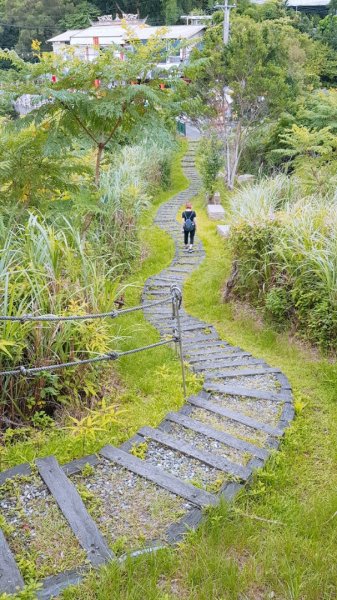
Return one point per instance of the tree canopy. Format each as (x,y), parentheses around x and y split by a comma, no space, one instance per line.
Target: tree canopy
(93,106)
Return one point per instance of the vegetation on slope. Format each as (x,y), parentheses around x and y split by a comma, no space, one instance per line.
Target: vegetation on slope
(278,539)
(128,392)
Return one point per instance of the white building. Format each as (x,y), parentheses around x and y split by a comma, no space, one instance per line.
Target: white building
(108,31)
(196,19)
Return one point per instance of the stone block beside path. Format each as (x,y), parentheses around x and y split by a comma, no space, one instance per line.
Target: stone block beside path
(224,230)
(215,212)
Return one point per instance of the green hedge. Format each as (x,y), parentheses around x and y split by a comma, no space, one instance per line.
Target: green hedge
(287,285)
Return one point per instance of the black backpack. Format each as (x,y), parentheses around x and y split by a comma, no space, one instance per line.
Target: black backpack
(189,224)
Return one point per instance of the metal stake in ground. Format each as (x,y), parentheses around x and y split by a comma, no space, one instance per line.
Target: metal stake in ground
(176,304)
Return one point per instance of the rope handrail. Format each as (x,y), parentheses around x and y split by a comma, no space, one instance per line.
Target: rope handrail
(25,371)
(175,298)
(56,318)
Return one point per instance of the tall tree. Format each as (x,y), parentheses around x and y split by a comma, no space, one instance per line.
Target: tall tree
(36,20)
(99,102)
(81,17)
(171,12)
(258,75)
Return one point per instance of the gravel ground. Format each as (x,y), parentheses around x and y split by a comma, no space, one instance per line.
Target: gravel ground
(38,534)
(236,429)
(262,410)
(128,509)
(182,466)
(205,443)
(267,383)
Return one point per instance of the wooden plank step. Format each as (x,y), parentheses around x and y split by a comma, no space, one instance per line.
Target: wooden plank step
(222,364)
(196,327)
(208,349)
(173,270)
(53,586)
(219,436)
(11,580)
(237,390)
(72,507)
(159,477)
(163,278)
(242,373)
(213,460)
(206,337)
(217,356)
(158,293)
(234,416)
(76,466)
(23,469)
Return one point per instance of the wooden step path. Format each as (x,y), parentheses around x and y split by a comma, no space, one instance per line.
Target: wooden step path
(229,428)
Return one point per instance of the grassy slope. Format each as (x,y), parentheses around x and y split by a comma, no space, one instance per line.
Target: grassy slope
(145,389)
(279,539)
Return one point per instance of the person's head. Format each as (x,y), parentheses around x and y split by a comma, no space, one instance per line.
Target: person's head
(188,205)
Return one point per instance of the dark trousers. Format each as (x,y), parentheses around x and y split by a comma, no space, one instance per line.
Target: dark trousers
(189,234)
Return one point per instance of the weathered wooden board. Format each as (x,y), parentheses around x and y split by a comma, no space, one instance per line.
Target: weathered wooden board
(72,507)
(242,373)
(218,364)
(220,436)
(76,466)
(213,460)
(23,469)
(237,390)
(207,349)
(235,416)
(11,580)
(217,355)
(54,585)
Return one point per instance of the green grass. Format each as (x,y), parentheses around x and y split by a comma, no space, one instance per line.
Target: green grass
(142,387)
(279,538)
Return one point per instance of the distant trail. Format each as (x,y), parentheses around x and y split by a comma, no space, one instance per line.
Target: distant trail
(206,450)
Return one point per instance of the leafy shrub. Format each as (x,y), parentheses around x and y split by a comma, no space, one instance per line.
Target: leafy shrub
(46,269)
(71,264)
(210,162)
(285,247)
(127,188)
(278,305)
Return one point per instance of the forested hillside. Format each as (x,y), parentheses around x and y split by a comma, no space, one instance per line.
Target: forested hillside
(23,20)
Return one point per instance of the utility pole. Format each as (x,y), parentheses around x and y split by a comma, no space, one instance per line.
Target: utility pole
(226,17)
(226,91)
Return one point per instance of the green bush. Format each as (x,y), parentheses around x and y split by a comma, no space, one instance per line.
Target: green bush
(210,161)
(51,264)
(278,305)
(285,248)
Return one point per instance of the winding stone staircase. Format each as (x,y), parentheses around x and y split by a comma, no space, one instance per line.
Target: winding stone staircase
(206,450)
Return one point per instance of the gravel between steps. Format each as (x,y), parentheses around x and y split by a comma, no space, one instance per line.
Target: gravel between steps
(267,383)
(265,411)
(128,509)
(208,444)
(182,466)
(233,427)
(37,532)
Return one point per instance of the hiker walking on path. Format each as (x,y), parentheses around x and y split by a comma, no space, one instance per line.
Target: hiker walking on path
(189,226)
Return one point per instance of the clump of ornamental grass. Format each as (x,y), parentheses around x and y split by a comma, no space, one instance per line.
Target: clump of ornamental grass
(46,269)
(286,250)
